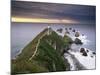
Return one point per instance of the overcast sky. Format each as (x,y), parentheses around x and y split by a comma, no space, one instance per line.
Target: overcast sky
(80,13)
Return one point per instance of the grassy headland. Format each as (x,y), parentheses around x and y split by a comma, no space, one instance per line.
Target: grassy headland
(42,54)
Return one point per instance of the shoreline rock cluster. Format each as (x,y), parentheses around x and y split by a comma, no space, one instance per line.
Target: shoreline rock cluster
(86,51)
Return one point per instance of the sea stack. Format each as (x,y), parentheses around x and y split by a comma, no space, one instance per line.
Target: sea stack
(73,30)
(84,53)
(78,41)
(60,30)
(77,34)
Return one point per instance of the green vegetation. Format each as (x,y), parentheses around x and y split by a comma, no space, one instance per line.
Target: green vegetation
(48,56)
(67,41)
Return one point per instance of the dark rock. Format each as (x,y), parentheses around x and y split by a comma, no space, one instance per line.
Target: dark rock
(60,30)
(67,32)
(91,56)
(84,54)
(77,34)
(73,30)
(87,50)
(64,51)
(78,41)
(70,28)
(82,50)
(94,53)
(68,48)
(82,34)
(65,28)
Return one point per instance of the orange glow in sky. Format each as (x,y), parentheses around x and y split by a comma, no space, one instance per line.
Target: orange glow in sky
(41,20)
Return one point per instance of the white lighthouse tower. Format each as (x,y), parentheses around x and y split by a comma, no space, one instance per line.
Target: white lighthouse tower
(48,29)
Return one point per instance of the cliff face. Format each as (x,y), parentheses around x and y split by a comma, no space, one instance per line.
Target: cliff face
(42,54)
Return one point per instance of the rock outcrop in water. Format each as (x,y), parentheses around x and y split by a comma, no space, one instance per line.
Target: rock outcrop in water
(77,34)
(82,50)
(84,53)
(78,41)
(94,53)
(73,30)
(60,30)
(70,28)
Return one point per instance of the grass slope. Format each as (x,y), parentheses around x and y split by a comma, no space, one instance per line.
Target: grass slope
(48,57)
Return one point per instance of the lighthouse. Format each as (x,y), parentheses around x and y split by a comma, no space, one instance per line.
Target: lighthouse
(48,26)
(48,29)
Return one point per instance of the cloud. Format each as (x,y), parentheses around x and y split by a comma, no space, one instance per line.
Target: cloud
(52,10)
